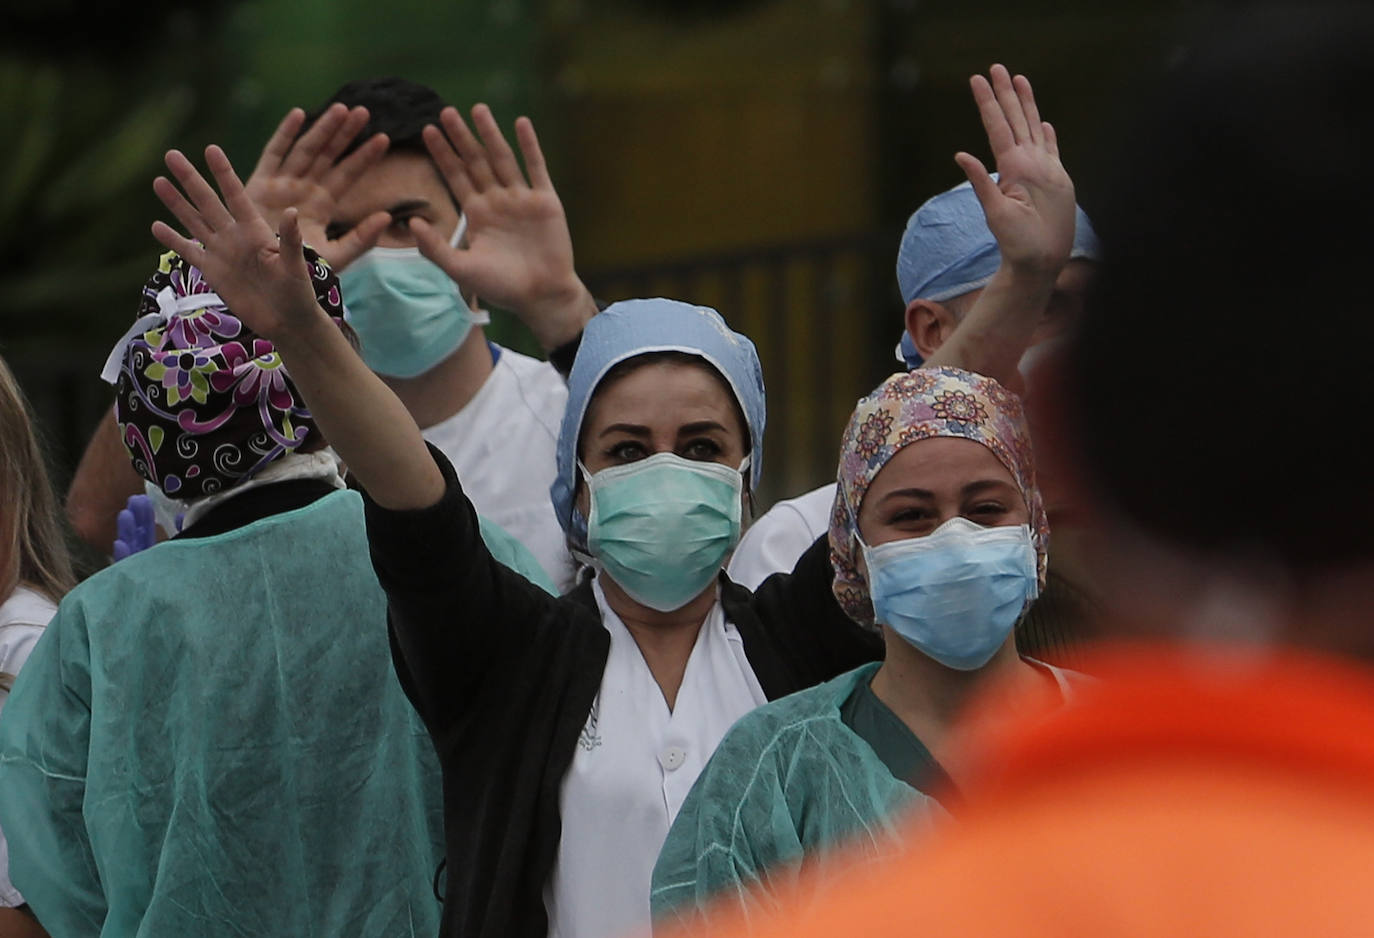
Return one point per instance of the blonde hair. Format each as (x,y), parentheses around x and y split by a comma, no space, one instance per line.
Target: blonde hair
(33,548)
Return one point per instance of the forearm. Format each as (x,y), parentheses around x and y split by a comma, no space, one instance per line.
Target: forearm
(994,334)
(365,423)
(102,485)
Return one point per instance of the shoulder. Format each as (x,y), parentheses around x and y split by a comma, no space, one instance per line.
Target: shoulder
(536,384)
(26,607)
(780,726)
(807,514)
(780,536)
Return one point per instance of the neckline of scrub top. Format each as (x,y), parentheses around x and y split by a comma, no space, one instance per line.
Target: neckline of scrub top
(899,749)
(262,502)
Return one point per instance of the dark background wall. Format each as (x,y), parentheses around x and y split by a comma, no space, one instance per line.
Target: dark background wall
(760,156)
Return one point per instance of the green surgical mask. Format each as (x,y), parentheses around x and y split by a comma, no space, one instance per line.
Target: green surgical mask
(661,527)
(408,313)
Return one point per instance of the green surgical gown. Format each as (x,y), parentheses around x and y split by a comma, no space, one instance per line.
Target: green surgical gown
(210,740)
(788,780)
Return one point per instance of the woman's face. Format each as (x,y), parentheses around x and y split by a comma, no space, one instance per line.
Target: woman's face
(661,407)
(931,481)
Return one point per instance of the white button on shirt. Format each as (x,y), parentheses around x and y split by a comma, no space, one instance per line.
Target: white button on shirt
(502,446)
(634,765)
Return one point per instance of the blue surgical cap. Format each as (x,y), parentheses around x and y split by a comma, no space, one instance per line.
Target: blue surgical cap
(630,328)
(947,251)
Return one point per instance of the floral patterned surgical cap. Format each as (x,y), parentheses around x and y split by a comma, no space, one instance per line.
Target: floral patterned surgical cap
(914,406)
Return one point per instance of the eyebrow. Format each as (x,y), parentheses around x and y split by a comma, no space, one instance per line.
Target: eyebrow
(972,488)
(633,429)
(687,429)
(701,426)
(403,207)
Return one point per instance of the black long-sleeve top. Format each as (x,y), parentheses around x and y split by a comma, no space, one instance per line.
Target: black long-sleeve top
(504,676)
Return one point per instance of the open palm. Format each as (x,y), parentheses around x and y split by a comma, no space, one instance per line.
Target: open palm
(261,277)
(1030,206)
(519,253)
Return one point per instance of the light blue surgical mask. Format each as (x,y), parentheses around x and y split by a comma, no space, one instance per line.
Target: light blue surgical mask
(408,313)
(661,527)
(957,593)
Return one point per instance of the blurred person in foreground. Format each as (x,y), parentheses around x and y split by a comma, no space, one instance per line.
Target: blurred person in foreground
(1220,779)
(35,573)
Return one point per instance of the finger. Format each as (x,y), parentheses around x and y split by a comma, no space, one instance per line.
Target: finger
(184,211)
(436,248)
(348,129)
(351,168)
(1051,139)
(172,240)
(346,249)
(451,168)
(198,191)
(983,185)
(290,235)
(994,121)
(121,550)
(1022,86)
(142,508)
(240,206)
(279,144)
(533,155)
(499,154)
(1009,102)
(308,146)
(469,150)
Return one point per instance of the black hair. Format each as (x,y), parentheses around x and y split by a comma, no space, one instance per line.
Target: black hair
(1220,385)
(396,107)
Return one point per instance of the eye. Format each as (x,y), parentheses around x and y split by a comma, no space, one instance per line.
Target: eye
(986,513)
(703,449)
(627,451)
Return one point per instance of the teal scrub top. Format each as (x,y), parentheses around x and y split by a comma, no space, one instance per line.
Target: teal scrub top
(788,779)
(210,740)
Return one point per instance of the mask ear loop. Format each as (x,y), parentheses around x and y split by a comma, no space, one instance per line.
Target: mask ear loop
(480,317)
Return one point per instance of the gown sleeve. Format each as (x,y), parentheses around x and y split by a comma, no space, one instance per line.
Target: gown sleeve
(44,744)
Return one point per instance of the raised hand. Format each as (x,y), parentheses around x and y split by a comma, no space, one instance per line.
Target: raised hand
(262,278)
(1030,207)
(519,253)
(303,174)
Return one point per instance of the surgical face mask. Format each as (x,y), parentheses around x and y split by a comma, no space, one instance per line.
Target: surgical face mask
(661,527)
(956,594)
(408,313)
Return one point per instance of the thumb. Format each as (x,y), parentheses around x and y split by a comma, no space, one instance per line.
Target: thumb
(435,247)
(291,244)
(348,248)
(983,185)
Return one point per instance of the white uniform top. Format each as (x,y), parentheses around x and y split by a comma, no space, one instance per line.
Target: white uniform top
(22,619)
(775,542)
(502,446)
(635,763)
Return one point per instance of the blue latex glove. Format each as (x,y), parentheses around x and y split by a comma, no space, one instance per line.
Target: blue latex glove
(135,526)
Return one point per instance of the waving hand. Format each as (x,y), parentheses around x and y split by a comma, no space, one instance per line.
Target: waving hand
(519,253)
(1030,207)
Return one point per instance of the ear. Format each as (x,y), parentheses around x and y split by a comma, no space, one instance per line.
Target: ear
(929,324)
